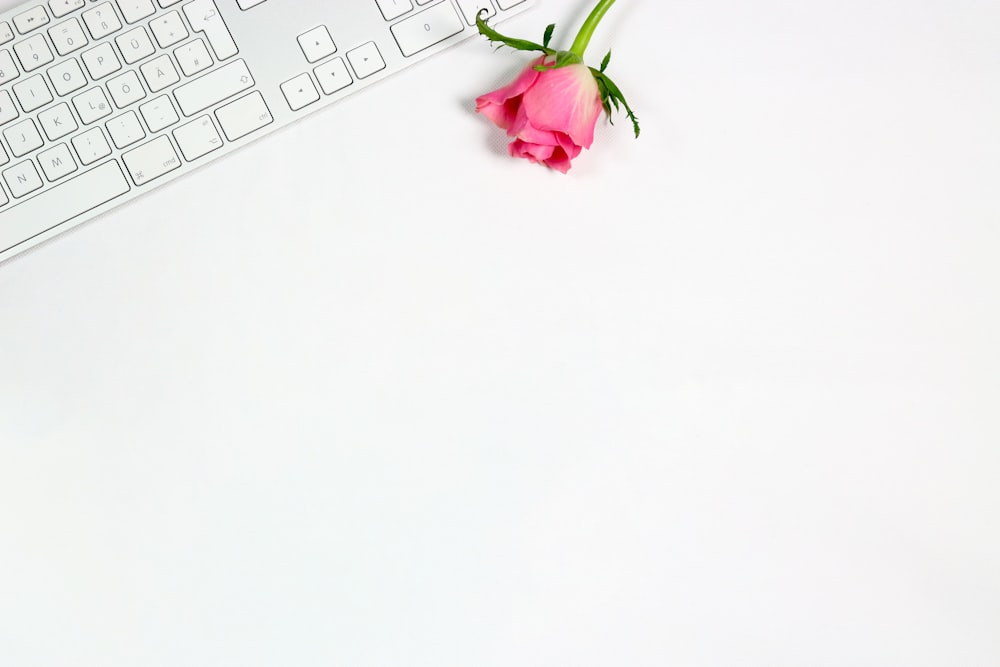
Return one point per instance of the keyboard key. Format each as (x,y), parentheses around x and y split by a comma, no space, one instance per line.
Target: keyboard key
(393,9)
(57,121)
(159,113)
(151,160)
(101,61)
(23,137)
(57,162)
(22,179)
(8,70)
(168,29)
(245,115)
(92,105)
(333,76)
(67,37)
(62,203)
(507,4)
(204,17)
(366,60)
(6,34)
(8,110)
(135,45)
(34,18)
(193,57)
(102,21)
(427,28)
(61,8)
(317,44)
(67,77)
(159,73)
(247,4)
(91,146)
(126,89)
(33,53)
(213,88)
(299,92)
(198,138)
(125,130)
(32,93)
(471,8)
(136,10)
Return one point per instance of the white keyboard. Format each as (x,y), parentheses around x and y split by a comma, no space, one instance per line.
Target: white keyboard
(102,100)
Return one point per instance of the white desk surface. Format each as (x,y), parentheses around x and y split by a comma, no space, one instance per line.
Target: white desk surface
(371,393)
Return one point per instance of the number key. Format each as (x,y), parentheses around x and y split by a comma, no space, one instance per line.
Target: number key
(33,53)
(67,37)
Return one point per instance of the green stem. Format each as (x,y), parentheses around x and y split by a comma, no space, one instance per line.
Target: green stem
(589,26)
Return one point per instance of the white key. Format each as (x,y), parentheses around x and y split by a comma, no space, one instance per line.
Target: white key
(333,76)
(67,77)
(62,203)
(33,53)
(8,70)
(247,4)
(3,156)
(299,92)
(57,121)
(159,113)
(125,130)
(136,10)
(8,110)
(91,146)
(213,88)
(317,44)
(135,45)
(27,21)
(57,162)
(92,105)
(366,60)
(193,57)
(22,179)
(168,29)
(197,138)
(126,89)
(393,9)
(102,21)
(67,37)
(507,4)
(6,34)
(204,17)
(3,195)
(23,137)
(101,61)
(245,115)
(471,8)
(32,93)
(168,3)
(159,73)
(427,28)
(61,8)
(151,160)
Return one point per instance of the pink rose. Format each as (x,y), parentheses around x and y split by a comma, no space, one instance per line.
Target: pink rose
(552,107)
(550,113)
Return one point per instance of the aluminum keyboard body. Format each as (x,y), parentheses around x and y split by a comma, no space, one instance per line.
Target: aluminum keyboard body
(103,100)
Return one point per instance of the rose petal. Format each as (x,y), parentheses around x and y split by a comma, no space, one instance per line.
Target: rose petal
(566,100)
(501,106)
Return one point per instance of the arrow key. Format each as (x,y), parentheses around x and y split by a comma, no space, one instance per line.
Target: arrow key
(366,60)
(317,44)
(299,92)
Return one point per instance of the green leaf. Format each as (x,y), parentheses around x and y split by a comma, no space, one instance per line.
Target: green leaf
(503,40)
(548,34)
(611,95)
(606,61)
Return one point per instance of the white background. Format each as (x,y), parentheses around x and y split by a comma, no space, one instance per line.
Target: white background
(371,393)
